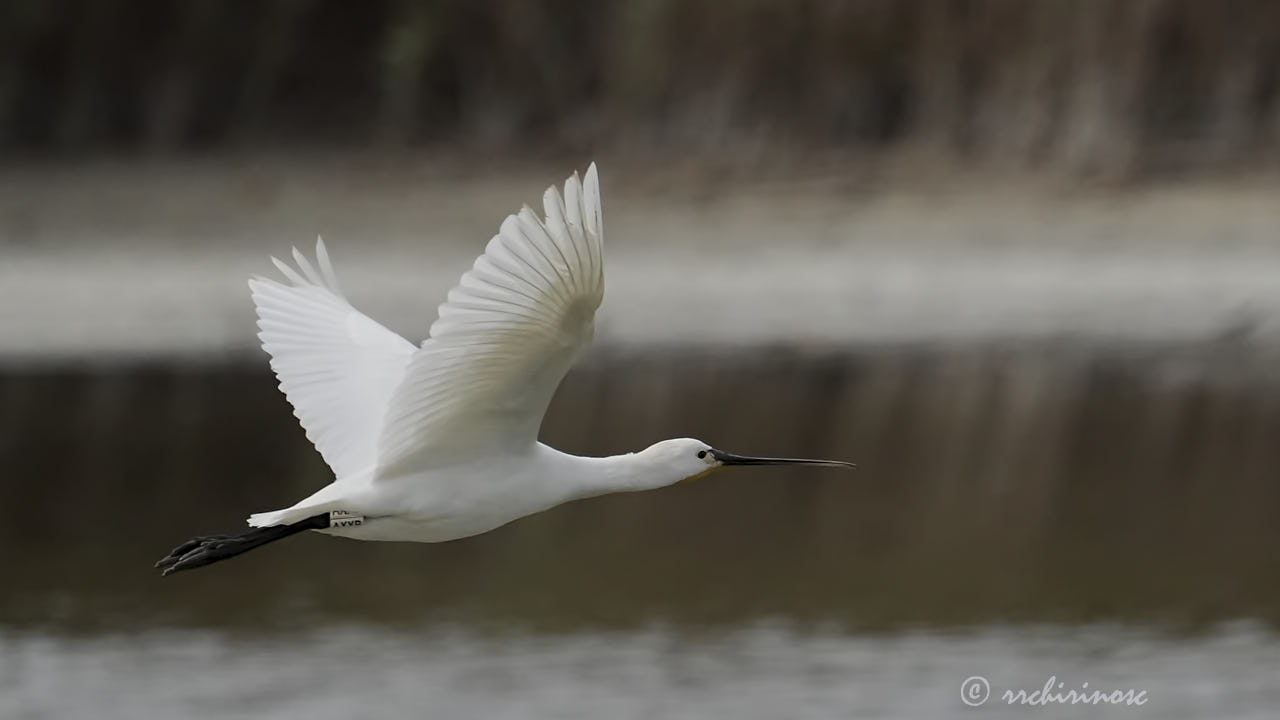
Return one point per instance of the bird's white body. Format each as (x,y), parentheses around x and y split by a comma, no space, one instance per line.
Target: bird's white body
(481,494)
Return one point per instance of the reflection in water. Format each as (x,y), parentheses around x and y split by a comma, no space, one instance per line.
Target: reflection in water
(994,484)
(763,671)
(998,487)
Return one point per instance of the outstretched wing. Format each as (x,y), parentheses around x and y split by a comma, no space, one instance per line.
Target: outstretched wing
(506,336)
(337,367)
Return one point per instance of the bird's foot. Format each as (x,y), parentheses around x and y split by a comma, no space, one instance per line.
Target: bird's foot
(196,552)
(209,549)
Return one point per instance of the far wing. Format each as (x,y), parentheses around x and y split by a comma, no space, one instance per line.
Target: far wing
(506,336)
(337,367)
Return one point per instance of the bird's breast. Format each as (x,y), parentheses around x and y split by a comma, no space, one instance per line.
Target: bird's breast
(457,502)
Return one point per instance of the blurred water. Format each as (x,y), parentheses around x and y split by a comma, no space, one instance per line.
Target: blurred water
(1021,510)
(765,670)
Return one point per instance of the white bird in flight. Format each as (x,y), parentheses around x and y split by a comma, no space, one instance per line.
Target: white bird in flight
(440,441)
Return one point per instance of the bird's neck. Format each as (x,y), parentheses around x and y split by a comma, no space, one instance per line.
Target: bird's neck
(618,473)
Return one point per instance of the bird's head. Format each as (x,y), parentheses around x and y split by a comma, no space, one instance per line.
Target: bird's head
(689,459)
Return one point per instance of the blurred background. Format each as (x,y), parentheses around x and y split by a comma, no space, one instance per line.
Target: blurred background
(1020,261)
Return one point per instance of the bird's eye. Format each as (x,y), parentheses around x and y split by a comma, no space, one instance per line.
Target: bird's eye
(702,454)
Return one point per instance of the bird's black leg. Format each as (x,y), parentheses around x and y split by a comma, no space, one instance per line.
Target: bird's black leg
(209,549)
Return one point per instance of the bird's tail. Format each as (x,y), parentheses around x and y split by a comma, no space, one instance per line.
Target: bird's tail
(273,518)
(334,496)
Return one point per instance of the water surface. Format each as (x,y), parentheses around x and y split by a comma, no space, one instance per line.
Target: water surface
(1100,514)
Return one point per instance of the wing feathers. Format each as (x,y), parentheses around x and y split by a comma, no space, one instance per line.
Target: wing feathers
(504,338)
(533,229)
(289,272)
(305,266)
(337,367)
(326,267)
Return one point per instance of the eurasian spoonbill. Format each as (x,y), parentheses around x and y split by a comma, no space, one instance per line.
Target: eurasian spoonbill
(440,441)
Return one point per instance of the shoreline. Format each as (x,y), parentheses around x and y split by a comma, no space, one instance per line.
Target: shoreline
(154,261)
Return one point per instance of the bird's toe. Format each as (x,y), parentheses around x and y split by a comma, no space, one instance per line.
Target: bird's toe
(193,547)
(210,550)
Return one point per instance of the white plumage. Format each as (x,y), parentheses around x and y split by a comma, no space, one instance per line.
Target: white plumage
(439,441)
(338,368)
(508,333)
